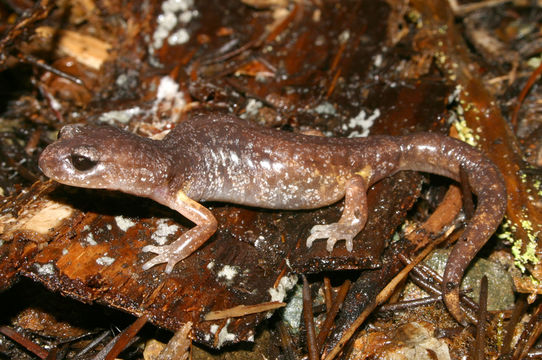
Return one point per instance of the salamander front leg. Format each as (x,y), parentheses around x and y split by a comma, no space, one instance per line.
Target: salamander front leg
(191,240)
(352,220)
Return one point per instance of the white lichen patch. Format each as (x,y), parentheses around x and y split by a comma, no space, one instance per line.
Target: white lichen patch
(174,13)
(120,116)
(363,121)
(228,272)
(89,239)
(179,37)
(377,60)
(167,89)
(252,108)
(214,328)
(169,99)
(294,309)
(163,231)
(105,260)
(344,36)
(45,269)
(260,240)
(123,223)
(325,108)
(224,336)
(286,283)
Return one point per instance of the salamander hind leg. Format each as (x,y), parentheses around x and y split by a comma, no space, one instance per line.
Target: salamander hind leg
(352,220)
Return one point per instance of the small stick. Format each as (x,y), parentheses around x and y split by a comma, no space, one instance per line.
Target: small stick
(125,336)
(380,298)
(519,309)
(26,343)
(286,342)
(312,346)
(480,344)
(327,293)
(403,305)
(530,334)
(330,316)
(523,94)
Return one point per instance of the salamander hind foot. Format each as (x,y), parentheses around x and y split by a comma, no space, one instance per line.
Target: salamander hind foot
(333,233)
(352,220)
(165,254)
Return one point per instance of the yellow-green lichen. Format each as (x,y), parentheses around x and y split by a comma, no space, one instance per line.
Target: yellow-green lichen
(443,29)
(416,18)
(534,62)
(465,133)
(538,186)
(522,255)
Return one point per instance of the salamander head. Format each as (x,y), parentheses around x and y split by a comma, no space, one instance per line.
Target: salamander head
(104,157)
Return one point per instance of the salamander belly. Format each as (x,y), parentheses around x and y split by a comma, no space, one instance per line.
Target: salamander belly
(303,193)
(283,191)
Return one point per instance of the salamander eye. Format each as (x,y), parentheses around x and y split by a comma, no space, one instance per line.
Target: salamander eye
(82,163)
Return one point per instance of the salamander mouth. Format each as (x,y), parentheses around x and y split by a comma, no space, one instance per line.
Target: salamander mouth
(45,162)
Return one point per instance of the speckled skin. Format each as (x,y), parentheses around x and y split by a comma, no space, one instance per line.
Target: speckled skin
(218,157)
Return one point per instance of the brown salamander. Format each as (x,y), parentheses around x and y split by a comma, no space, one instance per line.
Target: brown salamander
(219,157)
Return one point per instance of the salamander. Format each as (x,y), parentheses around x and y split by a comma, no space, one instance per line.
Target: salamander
(214,156)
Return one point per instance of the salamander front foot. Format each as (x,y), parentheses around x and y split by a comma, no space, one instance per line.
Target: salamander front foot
(333,233)
(180,249)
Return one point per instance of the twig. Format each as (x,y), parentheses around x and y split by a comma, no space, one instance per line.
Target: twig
(380,298)
(330,316)
(26,343)
(446,212)
(464,9)
(39,12)
(125,336)
(480,344)
(327,293)
(530,82)
(39,63)
(403,305)
(242,310)
(92,344)
(286,341)
(312,346)
(519,309)
(530,334)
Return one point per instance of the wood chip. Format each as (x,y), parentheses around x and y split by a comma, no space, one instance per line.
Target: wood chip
(88,50)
